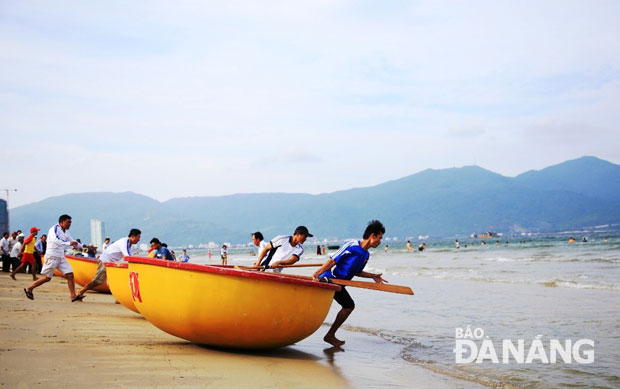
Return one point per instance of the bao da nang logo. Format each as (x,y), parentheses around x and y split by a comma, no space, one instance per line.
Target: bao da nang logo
(472,346)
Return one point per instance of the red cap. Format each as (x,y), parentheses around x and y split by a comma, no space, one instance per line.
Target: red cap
(34,229)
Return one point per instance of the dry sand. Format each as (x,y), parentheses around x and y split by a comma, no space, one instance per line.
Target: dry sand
(96,343)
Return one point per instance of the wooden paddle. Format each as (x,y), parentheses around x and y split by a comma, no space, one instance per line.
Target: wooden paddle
(267,267)
(360,284)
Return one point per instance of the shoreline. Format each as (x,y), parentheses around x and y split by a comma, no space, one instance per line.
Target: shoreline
(51,341)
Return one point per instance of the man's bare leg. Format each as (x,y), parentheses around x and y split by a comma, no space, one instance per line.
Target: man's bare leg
(330,337)
(38,283)
(71,284)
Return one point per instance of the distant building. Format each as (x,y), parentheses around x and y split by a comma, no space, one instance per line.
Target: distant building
(97,230)
(4,217)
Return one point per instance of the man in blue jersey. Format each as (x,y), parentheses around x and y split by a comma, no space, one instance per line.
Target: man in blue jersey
(348,262)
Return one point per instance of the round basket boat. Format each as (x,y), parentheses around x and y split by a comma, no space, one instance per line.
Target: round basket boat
(227,307)
(84,270)
(118,280)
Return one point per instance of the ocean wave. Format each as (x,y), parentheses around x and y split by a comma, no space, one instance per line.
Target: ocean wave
(580,285)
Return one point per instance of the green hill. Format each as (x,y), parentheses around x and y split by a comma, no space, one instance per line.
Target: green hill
(440,203)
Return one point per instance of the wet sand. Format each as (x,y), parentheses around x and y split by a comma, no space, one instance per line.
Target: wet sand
(96,343)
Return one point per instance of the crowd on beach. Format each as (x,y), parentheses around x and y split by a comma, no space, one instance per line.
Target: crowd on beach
(21,252)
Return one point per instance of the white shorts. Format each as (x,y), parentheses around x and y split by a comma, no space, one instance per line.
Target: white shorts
(59,263)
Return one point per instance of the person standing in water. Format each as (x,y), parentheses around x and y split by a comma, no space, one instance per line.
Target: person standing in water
(345,264)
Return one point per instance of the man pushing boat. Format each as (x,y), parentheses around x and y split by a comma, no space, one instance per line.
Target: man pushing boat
(347,262)
(115,252)
(58,240)
(284,249)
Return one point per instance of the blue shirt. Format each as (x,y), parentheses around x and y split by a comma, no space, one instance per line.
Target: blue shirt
(39,246)
(184,258)
(164,253)
(350,260)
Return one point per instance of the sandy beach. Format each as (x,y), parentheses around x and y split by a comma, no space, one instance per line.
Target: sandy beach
(97,343)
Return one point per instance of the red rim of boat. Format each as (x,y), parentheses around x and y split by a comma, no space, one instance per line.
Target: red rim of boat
(83,259)
(230,271)
(123,264)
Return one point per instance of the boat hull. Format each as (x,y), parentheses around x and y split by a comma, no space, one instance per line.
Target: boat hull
(84,270)
(118,281)
(226,307)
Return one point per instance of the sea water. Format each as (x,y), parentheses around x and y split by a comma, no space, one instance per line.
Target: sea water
(528,289)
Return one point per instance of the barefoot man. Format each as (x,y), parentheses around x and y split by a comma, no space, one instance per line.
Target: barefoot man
(348,262)
(116,252)
(58,239)
(28,249)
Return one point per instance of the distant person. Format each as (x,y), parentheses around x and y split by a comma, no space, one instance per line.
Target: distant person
(77,251)
(323,250)
(58,240)
(224,254)
(259,241)
(12,242)
(161,252)
(497,242)
(91,252)
(571,240)
(386,248)
(184,257)
(26,253)
(6,253)
(16,254)
(116,252)
(349,261)
(585,239)
(284,249)
(483,243)
(318,250)
(105,244)
(457,244)
(422,247)
(41,248)
(209,253)
(409,248)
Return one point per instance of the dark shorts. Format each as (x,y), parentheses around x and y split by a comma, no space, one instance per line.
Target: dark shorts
(344,299)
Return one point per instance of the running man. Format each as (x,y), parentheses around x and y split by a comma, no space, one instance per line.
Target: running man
(58,239)
(284,249)
(115,252)
(27,251)
(350,261)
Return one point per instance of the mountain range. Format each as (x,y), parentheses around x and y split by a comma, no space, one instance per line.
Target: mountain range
(580,193)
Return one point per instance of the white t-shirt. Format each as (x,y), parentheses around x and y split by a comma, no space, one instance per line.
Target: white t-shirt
(15,250)
(117,251)
(261,246)
(283,249)
(4,242)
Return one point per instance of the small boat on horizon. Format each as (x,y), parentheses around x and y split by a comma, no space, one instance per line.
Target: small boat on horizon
(227,307)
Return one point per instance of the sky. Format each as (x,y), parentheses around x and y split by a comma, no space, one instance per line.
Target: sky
(209,98)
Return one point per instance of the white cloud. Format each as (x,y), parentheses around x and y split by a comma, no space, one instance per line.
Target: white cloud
(341,94)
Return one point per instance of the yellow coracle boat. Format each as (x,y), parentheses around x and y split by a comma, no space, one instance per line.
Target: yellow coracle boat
(226,307)
(84,270)
(118,281)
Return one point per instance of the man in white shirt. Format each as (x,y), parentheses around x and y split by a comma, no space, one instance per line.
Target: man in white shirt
(116,252)
(257,239)
(6,253)
(284,249)
(15,262)
(58,239)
